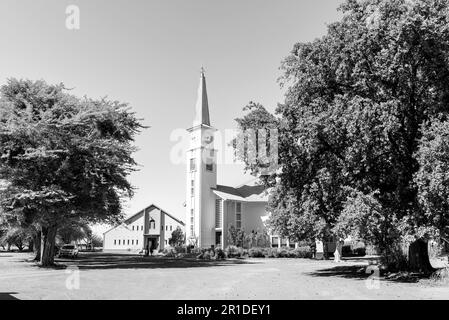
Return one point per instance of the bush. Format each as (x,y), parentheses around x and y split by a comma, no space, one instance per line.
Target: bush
(256,253)
(346,251)
(360,252)
(303,252)
(283,253)
(232,252)
(169,252)
(219,254)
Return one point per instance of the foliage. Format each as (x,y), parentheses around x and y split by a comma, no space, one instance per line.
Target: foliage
(285,252)
(233,251)
(357,99)
(63,157)
(17,236)
(236,237)
(256,252)
(432,180)
(177,237)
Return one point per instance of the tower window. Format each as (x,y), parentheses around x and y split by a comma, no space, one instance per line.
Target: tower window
(238,215)
(209,166)
(192,187)
(218,213)
(152,224)
(192,164)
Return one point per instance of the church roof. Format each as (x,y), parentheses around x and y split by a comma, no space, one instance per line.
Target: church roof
(246,193)
(202,104)
(140,213)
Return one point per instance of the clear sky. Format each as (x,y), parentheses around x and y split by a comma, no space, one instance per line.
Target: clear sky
(149,53)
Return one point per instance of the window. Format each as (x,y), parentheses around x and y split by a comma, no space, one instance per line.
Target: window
(137,242)
(133,228)
(218,212)
(119,242)
(171,228)
(238,215)
(115,242)
(283,242)
(152,224)
(209,167)
(162,227)
(191,230)
(166,242)
(124,242)
(192,164)
(128,242)
(192,187)
(275,242)
(132,242)
(166,228)
(141,227)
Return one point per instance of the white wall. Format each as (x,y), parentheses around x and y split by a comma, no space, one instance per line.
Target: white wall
(125,234)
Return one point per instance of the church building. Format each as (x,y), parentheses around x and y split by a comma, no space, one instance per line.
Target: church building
(151,227)
(211,208)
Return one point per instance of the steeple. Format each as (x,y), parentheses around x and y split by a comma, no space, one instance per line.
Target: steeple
(202,105)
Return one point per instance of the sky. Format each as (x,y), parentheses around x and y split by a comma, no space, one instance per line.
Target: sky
(148,53)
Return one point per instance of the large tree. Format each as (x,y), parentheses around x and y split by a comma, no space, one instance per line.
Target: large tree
(63,157)
(351,122)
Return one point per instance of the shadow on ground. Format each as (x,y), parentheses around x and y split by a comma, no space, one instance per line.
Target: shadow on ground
(358,271)
(118,261)
(8,296)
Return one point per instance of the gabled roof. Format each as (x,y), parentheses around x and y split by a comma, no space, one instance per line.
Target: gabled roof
(246,193)
(140,213)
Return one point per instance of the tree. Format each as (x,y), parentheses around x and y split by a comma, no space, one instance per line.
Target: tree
(177,237)
(96,241)
(352,119)
(63,157)
(432,180)
(16,236)
(74,230)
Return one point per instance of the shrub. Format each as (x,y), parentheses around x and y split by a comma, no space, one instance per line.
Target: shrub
(360,252)
(303,252)
(169,252)
(346,251)
(219,254)
(232,252)
(283,253)
(256,253)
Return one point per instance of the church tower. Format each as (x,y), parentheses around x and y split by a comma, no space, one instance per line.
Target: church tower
(201,175)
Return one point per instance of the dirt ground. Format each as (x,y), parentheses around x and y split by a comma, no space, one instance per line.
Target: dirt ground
(121,276)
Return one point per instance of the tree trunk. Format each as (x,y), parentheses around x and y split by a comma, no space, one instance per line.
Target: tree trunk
(37,246)
(48,246)
(418,257)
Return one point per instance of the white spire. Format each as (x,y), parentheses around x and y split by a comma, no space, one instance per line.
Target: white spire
(202,105)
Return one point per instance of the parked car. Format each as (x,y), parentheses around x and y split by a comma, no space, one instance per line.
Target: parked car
(68,250)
